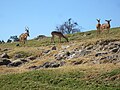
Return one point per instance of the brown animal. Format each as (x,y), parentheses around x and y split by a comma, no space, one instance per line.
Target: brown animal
(106,26)
(23,36)
(59,34)
(98,26)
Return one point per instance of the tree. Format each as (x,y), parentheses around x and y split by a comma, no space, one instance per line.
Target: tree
(9,41)
(0,42)
(3,41)
(14,38)
(68,27)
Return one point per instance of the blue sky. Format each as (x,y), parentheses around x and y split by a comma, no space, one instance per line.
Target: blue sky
(42,16)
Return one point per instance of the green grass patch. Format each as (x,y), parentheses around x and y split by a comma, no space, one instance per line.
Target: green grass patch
(56,80)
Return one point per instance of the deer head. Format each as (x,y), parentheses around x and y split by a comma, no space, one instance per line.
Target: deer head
(108,21)
(98,20)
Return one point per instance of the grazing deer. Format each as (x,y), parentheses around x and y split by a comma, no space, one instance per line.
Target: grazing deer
(106,25)
(98,26)
(23,36)
(59,34)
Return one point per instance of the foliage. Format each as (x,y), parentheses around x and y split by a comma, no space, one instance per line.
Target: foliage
(1,42)
(14,38)
(68,27)
(9,41)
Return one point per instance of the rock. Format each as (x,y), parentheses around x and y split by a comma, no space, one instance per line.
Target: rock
(62,55)
(88,33)
(54,64)
(31,58)
(46,51)
(84,52)
(65,47)
(54,48)
(4,55)
(6,49)
(73,54)
(103,42)
(23,60)
(114,50)
(17,45)
(62,63)
(58,57)
(111,47)
(100,53)
(77,62)
(46,65)
(118,50)
(89,47)
(17,63)
(32,67)
(113,58)
(67,53)
(117,43)
(16,56)
(4,61)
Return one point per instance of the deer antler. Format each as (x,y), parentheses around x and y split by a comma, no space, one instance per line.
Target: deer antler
(27,29)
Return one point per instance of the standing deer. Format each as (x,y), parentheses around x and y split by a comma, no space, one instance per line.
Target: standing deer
(23,36)
(106,25)
(59,34)
(98,26)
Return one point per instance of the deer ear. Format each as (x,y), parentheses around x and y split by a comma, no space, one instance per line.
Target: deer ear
(97,19)
(110,20)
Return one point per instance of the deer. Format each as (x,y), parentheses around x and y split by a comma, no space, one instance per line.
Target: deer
(23,36)
(59,34)
(106,25)
(98,26)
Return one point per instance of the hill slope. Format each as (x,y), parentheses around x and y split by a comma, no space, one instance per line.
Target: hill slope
(87,62)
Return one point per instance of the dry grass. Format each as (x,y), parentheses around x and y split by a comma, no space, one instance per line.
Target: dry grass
(90,68)
(8,70)
(36,48)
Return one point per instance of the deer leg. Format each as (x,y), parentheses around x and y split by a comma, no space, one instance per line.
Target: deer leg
(23,41)
(98,31)
(60,39)
(66,39)
(108,30)
(101,30)
(52,39)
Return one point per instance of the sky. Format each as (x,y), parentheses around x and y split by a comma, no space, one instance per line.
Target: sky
(42,16)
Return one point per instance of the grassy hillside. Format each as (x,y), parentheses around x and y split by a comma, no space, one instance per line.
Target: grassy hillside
(90,36)
(68,77)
